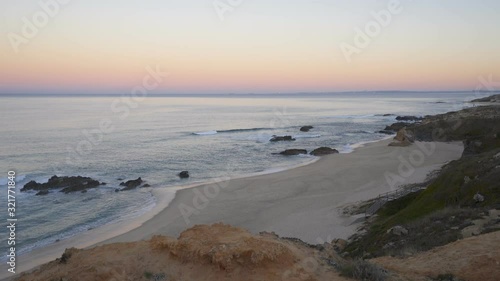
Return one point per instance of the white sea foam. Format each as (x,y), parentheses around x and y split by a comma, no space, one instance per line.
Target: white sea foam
(306,136)
(207,133)
(4,181)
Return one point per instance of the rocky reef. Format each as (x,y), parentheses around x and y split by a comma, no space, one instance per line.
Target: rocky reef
(324,151)
(66,184)
(306,128)
(131,184)
(293,151)
(281,138)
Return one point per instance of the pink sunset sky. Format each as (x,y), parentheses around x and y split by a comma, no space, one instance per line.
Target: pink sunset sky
(253,46)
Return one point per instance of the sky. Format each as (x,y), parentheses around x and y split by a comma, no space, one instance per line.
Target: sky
(247,46)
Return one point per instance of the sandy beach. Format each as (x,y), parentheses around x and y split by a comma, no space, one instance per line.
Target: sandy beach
(304,202)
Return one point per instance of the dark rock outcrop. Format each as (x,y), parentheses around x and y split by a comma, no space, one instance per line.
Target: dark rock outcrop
(409,118)
(68,184)
(306,128)
(324,151)
(146,185)
(183,175)
(281,138)
(493,98)
(290,152)
(395,127)
(131,184)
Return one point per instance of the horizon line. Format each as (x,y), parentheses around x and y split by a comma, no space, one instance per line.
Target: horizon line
(247,94)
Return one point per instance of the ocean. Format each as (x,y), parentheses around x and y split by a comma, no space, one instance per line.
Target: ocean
(114,139)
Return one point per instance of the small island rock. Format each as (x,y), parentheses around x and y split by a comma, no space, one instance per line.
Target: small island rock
(323,151)
(306,128)
(183,175)
(131,184)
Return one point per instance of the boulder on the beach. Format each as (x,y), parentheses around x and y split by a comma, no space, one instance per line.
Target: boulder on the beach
(281,138)
(323,151)
(68,184)
(306,128)
(402,138)
(290,152)
(131,184)
(409,118)
(183,175)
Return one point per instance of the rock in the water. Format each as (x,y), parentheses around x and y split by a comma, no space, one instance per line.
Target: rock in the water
(131,184)
(282,138)
(289,152)
(146,185)
(409,118)
(402,138)
(183,175)
(42,192)
(398,230)
(32,185)
(68,184)
(324,151)
(306,128)
(478,198)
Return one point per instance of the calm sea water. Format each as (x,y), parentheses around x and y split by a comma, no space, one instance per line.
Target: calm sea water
(212,137)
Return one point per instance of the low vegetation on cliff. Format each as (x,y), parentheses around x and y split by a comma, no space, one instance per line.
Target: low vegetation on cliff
(465,191)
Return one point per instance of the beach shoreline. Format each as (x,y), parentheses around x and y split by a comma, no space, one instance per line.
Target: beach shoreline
(166,219)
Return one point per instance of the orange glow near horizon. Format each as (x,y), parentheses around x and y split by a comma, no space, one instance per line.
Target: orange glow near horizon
(250,52)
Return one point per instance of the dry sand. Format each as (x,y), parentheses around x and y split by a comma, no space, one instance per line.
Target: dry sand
(303,202)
